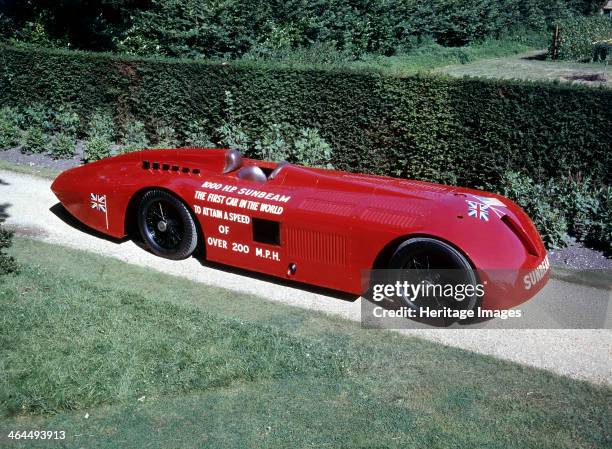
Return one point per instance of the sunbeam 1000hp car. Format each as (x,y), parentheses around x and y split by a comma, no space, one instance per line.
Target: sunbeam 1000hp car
(315,226)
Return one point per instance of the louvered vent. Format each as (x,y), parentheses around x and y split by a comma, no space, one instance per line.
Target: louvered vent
(317,246)
(387,218)
(146,165)
(424,186)
(392,205)
(326,207)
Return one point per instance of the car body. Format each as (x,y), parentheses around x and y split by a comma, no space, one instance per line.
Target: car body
(315,226)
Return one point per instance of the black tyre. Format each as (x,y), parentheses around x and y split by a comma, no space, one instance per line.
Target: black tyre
(166,225)
(430,261)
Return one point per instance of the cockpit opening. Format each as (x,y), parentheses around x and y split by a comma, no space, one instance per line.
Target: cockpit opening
(234,161)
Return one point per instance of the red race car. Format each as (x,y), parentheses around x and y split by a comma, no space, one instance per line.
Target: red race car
(316,226)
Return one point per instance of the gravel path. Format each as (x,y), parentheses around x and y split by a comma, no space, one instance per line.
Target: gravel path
(581,354)
(577,256)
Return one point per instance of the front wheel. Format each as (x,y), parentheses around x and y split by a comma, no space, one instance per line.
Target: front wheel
(166,225)
(442,271)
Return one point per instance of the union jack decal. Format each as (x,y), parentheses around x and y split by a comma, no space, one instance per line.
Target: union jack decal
(98,202)
(478,210)
(489,204)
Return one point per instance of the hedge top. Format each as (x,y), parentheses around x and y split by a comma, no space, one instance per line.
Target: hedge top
(464,131)
(274,66)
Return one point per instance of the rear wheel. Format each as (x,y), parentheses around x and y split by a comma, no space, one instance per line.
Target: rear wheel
(166,225)
(439,267)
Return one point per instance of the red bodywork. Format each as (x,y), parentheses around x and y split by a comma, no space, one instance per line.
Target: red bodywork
(332,224)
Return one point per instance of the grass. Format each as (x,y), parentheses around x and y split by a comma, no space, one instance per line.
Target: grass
(43,172)
(432,56)
(159,361)
(520,67)
(427,56)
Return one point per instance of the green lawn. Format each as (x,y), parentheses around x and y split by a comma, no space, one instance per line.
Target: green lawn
(159,361)
(521,67)
(26,169)
(419,59)
(426,58)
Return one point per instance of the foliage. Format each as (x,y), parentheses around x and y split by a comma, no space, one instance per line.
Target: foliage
(564,207)
(7,263)
(101,125)
(317,54)
(96,148)
(232,28)
(307,148)
(587,7)
(185,28)
(426,54)
(63,145)
(10,131)
(100,137)
(166,137)
(196,135)
(86,24)
(602,51)
(35,32)
(578,36)
(134,137)
(34,140)
(37,115)
(66,121)
(38,129)
(588,211)
(234,136)
(311,149)
(535,200)
(421,126)
(273,146)
(601,223)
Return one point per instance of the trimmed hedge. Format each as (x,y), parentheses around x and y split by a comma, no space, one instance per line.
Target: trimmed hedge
(464,131)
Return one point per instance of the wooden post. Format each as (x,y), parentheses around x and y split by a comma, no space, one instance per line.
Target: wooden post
(555,43)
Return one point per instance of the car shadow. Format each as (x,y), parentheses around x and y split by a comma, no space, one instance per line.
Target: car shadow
(62,213)
(349,297)
(540,56)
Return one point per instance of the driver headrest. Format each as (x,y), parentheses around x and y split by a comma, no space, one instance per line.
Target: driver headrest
(252,173)
(233,161)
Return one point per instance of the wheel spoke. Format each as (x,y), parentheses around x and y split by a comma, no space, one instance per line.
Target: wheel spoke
(164,225)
